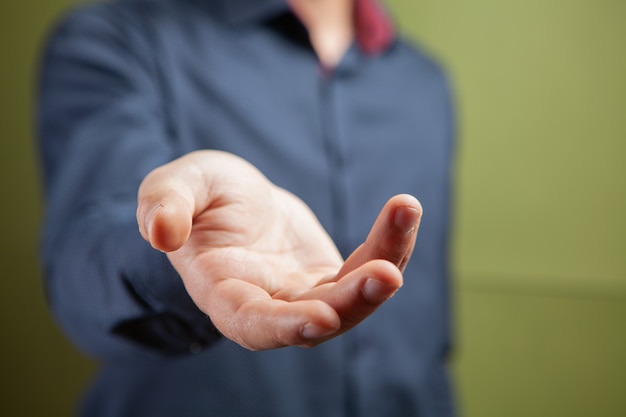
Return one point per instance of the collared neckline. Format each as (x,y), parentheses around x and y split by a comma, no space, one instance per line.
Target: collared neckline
(374,29)
(245,11)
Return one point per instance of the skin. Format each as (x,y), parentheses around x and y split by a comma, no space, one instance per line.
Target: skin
(330,24)
(256,260)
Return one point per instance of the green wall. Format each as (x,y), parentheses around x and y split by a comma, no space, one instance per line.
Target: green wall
(540,236)
(41,374)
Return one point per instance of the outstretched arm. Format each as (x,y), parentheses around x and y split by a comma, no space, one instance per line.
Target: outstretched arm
(255,259)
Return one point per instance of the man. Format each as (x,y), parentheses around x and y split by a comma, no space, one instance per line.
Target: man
(220,113)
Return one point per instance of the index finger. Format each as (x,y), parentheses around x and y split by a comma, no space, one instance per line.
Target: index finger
(392,236)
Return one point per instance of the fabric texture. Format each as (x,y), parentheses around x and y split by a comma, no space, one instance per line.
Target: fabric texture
(129,85)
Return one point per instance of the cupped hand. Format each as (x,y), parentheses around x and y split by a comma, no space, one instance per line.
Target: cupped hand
(255,259)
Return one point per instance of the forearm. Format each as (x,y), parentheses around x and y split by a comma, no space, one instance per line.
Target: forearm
(101,131)
(114,295)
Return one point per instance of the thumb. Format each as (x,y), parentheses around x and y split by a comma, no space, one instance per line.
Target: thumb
(165,210)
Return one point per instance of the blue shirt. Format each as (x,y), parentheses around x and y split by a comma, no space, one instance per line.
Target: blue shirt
(129,85)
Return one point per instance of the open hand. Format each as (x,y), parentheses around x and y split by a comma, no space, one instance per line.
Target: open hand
(255,259)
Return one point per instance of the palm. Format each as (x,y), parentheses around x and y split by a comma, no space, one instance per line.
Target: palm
(273,243)
(256,260)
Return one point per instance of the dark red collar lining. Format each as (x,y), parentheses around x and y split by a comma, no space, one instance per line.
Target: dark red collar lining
(374,28)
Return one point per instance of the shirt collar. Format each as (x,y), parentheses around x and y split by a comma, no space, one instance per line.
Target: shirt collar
(374,28)
(245,11)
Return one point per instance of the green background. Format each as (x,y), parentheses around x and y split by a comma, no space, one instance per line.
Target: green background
(539,252)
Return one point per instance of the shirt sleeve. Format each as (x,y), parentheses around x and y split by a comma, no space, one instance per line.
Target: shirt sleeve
(102,127)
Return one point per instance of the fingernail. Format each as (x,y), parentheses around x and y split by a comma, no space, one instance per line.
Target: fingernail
(376,292)
(313,331)
(405,218)
(150,219)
